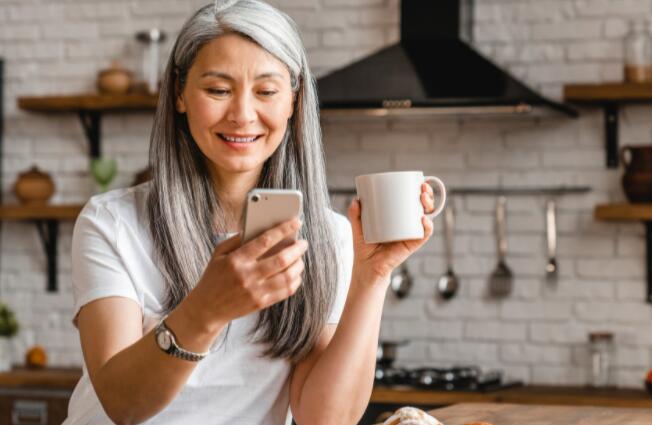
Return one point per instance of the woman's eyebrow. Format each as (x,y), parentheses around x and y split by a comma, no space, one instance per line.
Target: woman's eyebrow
(226,76)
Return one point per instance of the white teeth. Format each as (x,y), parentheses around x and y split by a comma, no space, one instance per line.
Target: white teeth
(239,139)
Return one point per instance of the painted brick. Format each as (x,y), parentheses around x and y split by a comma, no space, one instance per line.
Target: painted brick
(535,310)
(566,30)
(495,331)
(535,354)
(614,268)
(465,352)
(357,37)
(609,8)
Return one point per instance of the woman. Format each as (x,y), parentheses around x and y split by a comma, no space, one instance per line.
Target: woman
(179,322)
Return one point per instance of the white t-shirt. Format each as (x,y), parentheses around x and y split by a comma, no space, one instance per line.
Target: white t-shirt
(235,385)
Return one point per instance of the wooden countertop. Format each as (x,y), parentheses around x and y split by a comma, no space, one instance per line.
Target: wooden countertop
(512,414)
(54,378)
(582,396)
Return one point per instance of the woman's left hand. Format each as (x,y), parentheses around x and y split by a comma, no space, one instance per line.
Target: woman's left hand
(375,262)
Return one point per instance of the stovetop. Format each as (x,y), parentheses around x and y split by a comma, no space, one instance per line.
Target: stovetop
(459,378)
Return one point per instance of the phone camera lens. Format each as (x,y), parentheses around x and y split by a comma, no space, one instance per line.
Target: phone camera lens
(255,198)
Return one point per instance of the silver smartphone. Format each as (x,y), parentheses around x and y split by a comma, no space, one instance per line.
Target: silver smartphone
(266,208)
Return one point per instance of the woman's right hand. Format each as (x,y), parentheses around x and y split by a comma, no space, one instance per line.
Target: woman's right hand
(238,280)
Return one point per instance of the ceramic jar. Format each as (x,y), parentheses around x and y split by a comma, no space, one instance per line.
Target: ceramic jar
(637,180)
(34,187)
(114,80)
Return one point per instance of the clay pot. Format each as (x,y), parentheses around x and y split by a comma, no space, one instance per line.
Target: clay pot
(637,180)
(637,158)
(34,187)
(638,187)
(114,80)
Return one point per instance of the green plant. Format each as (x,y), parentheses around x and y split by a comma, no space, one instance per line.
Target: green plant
(8,322)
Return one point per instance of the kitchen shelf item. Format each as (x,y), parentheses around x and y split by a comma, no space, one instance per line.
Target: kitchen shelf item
(47,220)
(113,80)
(501,280)
(638,53)
(34,187)
(600,348)
(90,108)
(552,268)
(449,283)
(631,212)
(401,282)
(151,40)
(104,171)
(609,96)
(637,180)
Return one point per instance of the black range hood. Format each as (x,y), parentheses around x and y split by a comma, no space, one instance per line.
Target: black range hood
(432,70)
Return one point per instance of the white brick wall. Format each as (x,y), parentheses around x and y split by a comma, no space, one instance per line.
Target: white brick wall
(538,334)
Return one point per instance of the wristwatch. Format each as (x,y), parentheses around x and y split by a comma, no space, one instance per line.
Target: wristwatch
(167,342)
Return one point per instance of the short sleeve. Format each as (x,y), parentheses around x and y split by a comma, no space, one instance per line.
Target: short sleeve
(97,268)
(344,241)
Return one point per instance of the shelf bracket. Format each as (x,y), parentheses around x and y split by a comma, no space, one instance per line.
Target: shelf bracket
(611,133)
(92,123)
(648,250)
(48,231)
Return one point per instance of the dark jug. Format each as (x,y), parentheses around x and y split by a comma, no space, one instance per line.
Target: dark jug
(637,180)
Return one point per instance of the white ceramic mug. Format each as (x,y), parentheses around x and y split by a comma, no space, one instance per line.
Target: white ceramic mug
(391,205)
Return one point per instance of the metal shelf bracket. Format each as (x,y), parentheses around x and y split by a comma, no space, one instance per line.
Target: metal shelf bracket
(48,231)
(611,111)
(92,123)
(648,250)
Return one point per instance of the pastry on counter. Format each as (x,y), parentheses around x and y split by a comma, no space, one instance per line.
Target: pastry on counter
(411,416)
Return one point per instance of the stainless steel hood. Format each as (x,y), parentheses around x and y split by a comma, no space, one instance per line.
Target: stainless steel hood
(433,69)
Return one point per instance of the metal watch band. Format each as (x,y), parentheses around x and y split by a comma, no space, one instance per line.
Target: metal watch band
(175,350)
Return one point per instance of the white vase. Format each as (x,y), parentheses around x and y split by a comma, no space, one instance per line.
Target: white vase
(5,354)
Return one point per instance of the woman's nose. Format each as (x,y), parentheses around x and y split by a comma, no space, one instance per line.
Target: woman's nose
(242,111)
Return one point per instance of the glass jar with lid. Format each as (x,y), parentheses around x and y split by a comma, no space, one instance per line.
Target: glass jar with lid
(638,53)
(600,352)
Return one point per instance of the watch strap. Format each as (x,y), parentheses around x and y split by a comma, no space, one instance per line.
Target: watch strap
(175,349)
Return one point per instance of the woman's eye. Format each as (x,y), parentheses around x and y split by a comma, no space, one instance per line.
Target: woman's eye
(218,92)
(267,93)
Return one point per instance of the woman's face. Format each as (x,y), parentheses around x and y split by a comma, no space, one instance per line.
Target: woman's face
(237,100)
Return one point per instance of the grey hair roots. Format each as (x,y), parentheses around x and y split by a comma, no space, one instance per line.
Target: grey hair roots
(184,211)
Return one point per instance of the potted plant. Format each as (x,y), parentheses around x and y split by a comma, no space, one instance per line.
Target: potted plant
(8,328)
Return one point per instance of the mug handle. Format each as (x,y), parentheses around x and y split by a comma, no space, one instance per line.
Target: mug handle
(442,194)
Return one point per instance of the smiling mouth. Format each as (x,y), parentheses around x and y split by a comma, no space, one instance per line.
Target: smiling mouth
(236,139)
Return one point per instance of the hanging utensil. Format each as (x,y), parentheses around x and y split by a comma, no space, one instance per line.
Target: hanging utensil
(401,282)
(500,281)
(552,269)
(449,283)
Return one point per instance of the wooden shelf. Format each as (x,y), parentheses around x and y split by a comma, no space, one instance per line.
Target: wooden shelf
(609,96)
(40,212)
(90,108)
(46,218)
(631,212)
(623,212)
(608,92)
(89,102)
(51,377)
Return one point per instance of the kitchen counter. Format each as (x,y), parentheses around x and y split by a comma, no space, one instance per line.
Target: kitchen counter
(59,378)
(512,414)
(580,396)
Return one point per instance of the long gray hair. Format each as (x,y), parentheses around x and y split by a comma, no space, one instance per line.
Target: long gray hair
(184,208)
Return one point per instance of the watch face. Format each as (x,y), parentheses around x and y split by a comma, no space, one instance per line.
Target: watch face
(164,341)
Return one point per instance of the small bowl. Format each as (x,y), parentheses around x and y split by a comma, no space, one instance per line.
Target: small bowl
(113,81)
